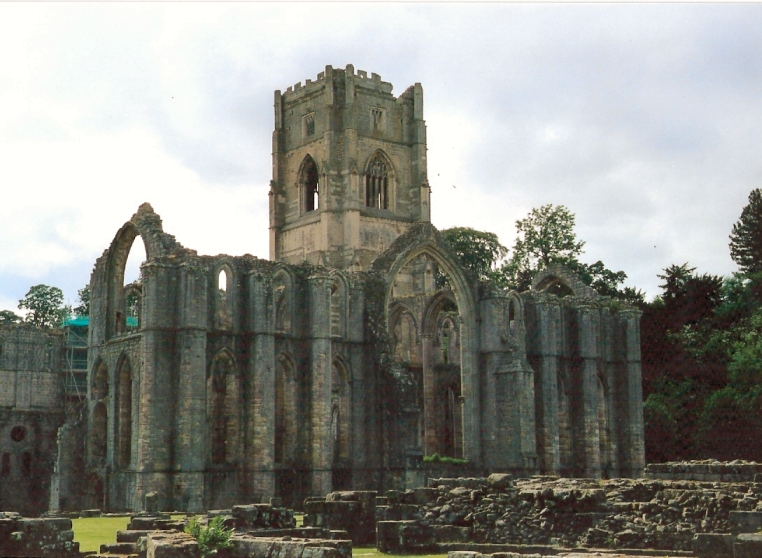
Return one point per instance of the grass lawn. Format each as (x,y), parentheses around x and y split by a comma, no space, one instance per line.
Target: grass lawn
(92,532)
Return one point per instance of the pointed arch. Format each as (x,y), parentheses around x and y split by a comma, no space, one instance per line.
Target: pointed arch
(224,293)
(123,412)
(423,239)
(379,181)
(308,182)
(223,406)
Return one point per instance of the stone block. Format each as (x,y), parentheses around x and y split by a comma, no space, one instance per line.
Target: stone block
(500,481)
(745,521)
(747,545)
(171,545)
(713,545)
(130,536)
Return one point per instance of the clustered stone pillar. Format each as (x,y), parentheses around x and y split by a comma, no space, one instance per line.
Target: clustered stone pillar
(588,321)
(260,422)
(632,436)
(320,368)
(190,417)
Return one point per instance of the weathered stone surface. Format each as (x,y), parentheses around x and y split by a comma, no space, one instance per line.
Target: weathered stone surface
(747,545)
(171,545)
(713,545)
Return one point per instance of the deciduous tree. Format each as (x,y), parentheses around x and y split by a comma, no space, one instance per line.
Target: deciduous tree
(44,305)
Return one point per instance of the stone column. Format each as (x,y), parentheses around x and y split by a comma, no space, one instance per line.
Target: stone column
(260,390)
(632,402)
(155,409)
(320,375)
(546,330)
(589,331)
(190,418)
(470,389)
(430,441)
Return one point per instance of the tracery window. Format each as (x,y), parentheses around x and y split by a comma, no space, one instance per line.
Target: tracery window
(377,184)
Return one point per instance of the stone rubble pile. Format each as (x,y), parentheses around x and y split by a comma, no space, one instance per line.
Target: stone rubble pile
(256,516)
(620,513)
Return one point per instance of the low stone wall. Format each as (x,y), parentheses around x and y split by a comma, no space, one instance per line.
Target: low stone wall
(567,513)
(350,511)
(705,471)
(22,537)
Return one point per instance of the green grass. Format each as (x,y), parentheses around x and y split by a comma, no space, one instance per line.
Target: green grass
(92,532)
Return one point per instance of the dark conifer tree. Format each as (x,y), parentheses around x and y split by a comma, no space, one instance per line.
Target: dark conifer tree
(746,238)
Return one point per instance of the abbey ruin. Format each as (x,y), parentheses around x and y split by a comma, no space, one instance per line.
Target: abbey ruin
(361,346)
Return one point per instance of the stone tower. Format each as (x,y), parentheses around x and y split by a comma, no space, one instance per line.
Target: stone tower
(349,169)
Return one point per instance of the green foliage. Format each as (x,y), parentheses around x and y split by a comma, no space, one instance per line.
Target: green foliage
(44,305)
(545,237)
(83,308)
(211,538)
(478,251)
(746,237)
(436,458)
(9,317)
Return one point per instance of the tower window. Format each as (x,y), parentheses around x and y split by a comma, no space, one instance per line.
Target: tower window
(308,124)
(378,119)
(377,184)
(310,186)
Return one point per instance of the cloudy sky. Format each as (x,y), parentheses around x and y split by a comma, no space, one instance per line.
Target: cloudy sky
(644,120)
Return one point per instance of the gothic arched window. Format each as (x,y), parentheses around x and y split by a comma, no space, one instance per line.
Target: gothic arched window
(377,184)
(308,180)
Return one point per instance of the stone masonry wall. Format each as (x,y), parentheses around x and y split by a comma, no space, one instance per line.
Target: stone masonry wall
(620,513)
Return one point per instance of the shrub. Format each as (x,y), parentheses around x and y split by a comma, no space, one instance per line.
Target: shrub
(211,538)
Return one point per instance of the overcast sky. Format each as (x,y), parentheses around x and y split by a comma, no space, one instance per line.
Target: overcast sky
(644,120)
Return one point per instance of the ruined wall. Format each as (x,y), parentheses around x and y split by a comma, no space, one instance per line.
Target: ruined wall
(31,410)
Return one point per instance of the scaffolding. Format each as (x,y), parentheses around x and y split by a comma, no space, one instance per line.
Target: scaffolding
(75,348)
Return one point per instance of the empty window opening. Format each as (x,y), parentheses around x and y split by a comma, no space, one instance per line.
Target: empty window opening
(5,467)
(222,283)
(224,302)
(335,311)
(310,186)
(223,413)
(377,184)
(309,124)
(378,117)
(136,258)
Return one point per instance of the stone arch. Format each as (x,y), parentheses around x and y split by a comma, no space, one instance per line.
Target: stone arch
(559,279)
(286,410)
(283,296)
(379,183)
(308,181)
(224,281)
(146,224)
(423,239)
(223,410)
(339,306)
(123,413)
